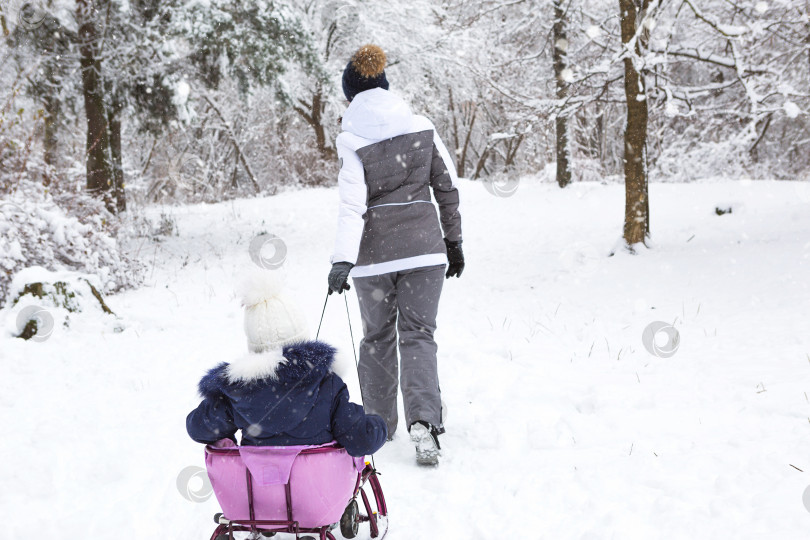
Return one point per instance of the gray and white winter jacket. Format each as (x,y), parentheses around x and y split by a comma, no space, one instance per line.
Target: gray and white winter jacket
(390,160)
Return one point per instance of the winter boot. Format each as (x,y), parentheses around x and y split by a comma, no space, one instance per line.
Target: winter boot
(426,439)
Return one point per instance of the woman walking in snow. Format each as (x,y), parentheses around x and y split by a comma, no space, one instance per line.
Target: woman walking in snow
(394,246)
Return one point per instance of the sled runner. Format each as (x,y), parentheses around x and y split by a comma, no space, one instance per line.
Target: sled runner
(292,489)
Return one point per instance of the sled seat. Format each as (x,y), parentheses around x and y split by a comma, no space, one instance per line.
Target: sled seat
(308,485)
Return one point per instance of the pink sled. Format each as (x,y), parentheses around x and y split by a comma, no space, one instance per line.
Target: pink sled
(293,489)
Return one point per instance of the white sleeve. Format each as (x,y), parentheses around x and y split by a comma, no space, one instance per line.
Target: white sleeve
(448,161)
(422,123)
(353,196)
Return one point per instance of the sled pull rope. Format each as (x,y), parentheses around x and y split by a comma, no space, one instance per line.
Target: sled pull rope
(357,365)
(354,351)
(322,312)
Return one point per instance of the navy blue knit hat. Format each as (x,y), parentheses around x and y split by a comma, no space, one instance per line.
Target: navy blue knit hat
(366,70)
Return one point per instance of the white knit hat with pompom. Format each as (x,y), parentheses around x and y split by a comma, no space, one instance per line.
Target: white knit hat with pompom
(272,320)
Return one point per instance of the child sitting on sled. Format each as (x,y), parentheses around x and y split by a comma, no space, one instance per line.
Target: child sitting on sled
(283,392)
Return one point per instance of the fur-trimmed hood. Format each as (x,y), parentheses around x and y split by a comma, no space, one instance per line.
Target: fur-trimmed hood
(302,364)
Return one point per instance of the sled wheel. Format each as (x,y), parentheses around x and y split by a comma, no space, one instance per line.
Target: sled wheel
(349,524)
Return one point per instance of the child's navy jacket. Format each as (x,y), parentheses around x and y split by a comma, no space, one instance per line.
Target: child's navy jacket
(283,398)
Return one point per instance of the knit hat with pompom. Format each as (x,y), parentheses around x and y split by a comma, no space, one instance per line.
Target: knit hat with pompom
(366,70)
(272,320)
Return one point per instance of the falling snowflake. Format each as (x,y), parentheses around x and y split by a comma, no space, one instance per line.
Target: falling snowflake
(791,109)
(567,75)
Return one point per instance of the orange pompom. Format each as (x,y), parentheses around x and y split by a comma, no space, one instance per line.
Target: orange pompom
(369,61)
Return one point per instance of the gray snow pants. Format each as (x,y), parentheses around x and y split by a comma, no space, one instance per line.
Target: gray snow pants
(404,303)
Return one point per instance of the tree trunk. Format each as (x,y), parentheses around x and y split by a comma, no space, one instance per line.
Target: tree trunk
(317,123)
(3,25)
(636,211)
(51,129)
(99,171)
(51,105)
(468,112)
(597,134)
(313,115)
(114,121)
(469,121)
(512,147)
(559,56)
(456,141)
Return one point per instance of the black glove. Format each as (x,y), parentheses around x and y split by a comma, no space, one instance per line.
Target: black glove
(339,276)
(455,257)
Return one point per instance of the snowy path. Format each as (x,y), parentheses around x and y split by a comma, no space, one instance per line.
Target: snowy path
(561,425)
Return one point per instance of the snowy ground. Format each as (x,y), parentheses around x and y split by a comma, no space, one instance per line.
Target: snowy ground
(561,424)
